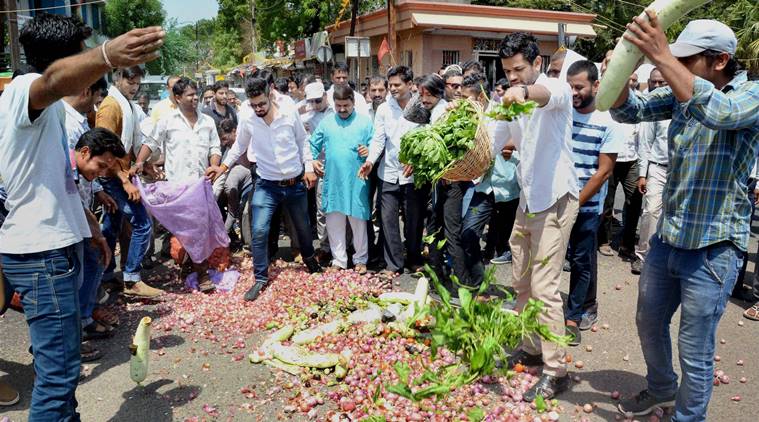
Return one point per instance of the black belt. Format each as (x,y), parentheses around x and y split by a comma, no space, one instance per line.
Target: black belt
(659,164)
(286,182)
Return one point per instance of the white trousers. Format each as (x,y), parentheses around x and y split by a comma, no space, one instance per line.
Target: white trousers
(337,244)
(652,206)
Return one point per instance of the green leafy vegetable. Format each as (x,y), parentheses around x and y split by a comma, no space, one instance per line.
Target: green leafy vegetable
(502,112)
(432,149)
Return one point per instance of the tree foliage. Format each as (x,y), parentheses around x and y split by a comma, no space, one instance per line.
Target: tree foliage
(613,15)
(124,15)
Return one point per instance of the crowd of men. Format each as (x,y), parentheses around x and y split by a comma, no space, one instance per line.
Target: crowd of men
(321,158)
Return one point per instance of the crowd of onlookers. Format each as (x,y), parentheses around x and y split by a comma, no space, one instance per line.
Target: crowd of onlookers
(318,159)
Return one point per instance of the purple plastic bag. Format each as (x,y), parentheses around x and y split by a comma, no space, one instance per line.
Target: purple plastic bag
(189,211)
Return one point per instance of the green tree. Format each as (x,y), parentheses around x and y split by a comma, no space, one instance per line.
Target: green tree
(228,49)
(124,15)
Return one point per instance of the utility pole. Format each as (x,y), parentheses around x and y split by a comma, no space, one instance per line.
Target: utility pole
(253,41)
(391,18)
(10,7)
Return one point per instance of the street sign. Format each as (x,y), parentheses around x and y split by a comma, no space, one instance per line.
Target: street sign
(323,54)
(357,47)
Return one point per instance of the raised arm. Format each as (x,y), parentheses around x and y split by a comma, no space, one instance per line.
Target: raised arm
(74,74)
(734,110)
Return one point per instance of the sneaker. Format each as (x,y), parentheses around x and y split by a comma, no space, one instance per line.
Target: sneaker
(573,331)
(589,319)
(254,291)
(606,250)
(204,283)
(503,259)
(360,268)
(547,386)
(636,266)
(525,359)
(8,396)
(644,403)
(140,289)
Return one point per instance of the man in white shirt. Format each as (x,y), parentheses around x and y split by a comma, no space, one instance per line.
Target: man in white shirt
(396,182)
(77,107)
(652,175)
(274,136)
(319,108)
(340,77)
(548,202)
(625,173)
(596,140)
(41,237)
(189,141)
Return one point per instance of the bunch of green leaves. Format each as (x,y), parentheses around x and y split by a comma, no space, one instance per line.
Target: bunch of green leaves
(431,150)
(481,331)
(512,111)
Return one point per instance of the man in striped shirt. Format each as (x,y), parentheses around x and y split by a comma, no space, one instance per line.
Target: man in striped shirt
(596,141)
(701,242)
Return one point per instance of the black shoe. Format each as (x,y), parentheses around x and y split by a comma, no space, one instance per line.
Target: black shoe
(312,265)
(547,386)
(626,254)
(525,359)
(254,291)
(636,266)
(574,332)
(644,403)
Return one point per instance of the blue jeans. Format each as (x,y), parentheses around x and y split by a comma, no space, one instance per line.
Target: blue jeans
(141,229)
(48,282)
(267,196)
(481,208)
(700,282)
(583,279)
(92,275)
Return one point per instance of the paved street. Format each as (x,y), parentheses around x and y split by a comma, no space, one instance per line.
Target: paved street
(187,372)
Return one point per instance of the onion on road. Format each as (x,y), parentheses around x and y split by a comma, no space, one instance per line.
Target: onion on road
(626,55)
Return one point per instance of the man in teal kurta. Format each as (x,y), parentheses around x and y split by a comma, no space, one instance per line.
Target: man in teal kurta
(344,137)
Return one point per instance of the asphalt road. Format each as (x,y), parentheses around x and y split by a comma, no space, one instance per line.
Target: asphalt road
(183,379)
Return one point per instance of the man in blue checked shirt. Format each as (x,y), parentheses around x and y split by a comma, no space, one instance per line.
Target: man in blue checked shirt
(701,241)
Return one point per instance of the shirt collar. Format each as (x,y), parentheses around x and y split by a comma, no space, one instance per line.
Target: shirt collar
(71,111)
(739,79)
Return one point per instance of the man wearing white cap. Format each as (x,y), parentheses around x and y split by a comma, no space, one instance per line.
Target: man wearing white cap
(700,245)
(318,109)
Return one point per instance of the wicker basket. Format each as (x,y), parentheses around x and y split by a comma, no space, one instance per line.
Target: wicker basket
(478,160)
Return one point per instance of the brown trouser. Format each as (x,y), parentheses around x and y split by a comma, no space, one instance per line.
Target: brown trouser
(538,245)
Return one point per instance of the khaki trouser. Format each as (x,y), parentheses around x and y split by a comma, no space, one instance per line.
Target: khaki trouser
(652,206)
(538,245)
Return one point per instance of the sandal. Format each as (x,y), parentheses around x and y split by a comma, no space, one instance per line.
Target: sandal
(752,313)
(104,316)
(89,352)
(96,330)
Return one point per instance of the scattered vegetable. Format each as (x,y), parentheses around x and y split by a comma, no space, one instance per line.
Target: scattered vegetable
(138,363)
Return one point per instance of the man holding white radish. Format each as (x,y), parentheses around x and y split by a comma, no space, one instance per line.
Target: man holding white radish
(701,242)
(548,202)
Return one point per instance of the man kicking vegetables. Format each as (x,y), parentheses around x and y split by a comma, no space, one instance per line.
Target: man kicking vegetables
(697,252)
(548,202)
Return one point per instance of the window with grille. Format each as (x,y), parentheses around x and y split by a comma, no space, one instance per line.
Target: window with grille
(450,57)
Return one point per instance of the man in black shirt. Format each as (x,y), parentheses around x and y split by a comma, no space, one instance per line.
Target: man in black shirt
(219,110)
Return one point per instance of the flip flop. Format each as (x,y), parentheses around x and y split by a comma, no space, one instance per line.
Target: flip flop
(89,352)
(752,313)
(95,331)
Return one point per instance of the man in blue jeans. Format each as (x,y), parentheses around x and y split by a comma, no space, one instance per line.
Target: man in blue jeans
(42,235)
(596,140)
(703,233)
(274,136)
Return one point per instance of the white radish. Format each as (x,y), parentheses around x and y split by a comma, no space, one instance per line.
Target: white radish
(296,355)
(138,364)
(626,56)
